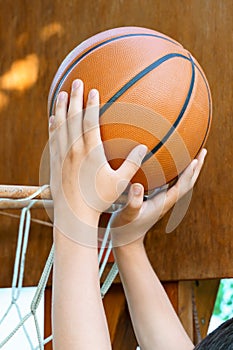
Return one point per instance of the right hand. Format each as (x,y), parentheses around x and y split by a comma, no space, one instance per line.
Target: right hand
(137,217)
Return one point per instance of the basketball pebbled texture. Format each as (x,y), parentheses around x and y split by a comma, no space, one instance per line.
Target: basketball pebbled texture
(152,91)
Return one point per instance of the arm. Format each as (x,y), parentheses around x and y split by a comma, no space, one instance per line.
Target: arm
(78,169)
(154,320)
(78,316)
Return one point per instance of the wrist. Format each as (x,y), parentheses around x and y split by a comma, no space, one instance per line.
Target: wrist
(64,210)
(130,248)
(80,225)
(129,256)
(125,236)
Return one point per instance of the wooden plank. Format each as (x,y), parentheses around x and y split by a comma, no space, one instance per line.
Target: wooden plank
(119,323)
(185,306)
(171,289)
(34,45)
(15,204)
(18,192)
(207,227)
(47,318)
(205,293)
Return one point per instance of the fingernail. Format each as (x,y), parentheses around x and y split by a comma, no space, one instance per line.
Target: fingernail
(93,93)
(76,84)
(205,151)
(142,150)
(137,190)
(62,96)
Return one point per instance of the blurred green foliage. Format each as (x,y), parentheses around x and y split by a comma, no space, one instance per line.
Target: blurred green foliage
(224,302)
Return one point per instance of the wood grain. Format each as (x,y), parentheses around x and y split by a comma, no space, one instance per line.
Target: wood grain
(205,293)
(34,44)
(185,307)
(18,192)
(35,37)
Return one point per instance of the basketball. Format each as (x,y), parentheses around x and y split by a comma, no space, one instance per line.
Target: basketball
(152,92)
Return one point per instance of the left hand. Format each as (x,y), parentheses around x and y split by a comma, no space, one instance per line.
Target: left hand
(137,217)
(83,184)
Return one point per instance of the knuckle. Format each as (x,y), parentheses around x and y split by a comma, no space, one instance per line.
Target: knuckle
(52,127)
(56,124)
(75,149)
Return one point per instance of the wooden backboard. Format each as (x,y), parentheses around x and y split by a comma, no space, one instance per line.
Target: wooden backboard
(35,37)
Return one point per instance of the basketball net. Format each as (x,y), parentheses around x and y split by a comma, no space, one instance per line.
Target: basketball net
(24,198)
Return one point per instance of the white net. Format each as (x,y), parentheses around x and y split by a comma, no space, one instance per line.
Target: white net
(25,198)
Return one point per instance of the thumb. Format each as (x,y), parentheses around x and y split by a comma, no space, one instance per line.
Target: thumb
(132,208)
(135,201)
(132,163)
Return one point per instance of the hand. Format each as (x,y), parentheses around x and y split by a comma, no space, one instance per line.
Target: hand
(82,182)
(137,217)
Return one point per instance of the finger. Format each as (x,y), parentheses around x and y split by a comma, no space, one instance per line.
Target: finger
(186,181)
(202,154)
(51,120)
(91,127)
(186,177)
(57,123)
(51,134)
(181,187)
(200,161)
(131,165)
(132,209)
(134,204)
(60,111)
(75,111)
(171,197)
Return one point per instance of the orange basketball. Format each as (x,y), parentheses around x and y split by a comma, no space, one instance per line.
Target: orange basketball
(152,91)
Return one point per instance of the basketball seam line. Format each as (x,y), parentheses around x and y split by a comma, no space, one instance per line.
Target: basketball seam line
(139,76)
(179,118)
(210,107)
(92,49)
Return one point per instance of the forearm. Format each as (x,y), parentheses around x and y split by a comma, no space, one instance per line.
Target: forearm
(78,316)
(83,185)
(154,320)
